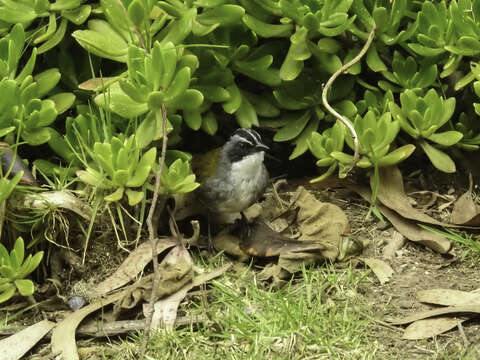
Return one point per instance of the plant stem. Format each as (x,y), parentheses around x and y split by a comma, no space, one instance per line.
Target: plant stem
(332,111)
(152,235)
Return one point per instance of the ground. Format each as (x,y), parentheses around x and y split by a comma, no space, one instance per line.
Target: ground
(325,311)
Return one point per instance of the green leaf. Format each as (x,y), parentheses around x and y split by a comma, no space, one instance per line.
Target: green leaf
(28,67)
(464,81)
(15,12)
(439,159)
(6,292)
(235,100)
(8,185)
(63,101)
(102,40)
(447,138)
(120,177)
(25,287)
(425,51)
(19,248)
(209,123)
(46,81)
(179,84)
(246,115)
(35,261)
(136,12)
(193,118)
(213,93)
(120,103)
(115,196)
(326,174)
(55,39)
(396,156)
(190,99)
(36,137)
(224,15)
(373,60)
(79,15)
(143,169)
(134,197)
(301,142)
(294,127)
(267,30)
(7,271)
(90,177)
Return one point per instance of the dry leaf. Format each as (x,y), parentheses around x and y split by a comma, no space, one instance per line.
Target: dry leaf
(460,309)
(394,244)
(322,222)
(380,268)
(175,271)
(17,345)
(406,227)
(427,328)
(132,266)
(448,297)
(391,193)
(413,232)
(63,336)
(165,310)
(466,211)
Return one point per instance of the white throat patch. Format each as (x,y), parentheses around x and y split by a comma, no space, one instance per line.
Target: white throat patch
(249,166)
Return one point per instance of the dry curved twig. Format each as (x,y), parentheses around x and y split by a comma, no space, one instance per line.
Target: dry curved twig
(332,111)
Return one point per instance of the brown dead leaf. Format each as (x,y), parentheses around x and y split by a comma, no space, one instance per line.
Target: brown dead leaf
(132,266)
(465,211)
(175,270)
(391,193)
(413,232)
(165,310)
(380,268)
(448,297)
(427,328)
(407,227)
(460,309)
(394,244)
(274,272)
(17,345)
(63,335)
(322,222)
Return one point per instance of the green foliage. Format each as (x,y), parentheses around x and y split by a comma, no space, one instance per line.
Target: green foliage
(178,178)
(14,268)
(421,117)
(117,165)
(202,63)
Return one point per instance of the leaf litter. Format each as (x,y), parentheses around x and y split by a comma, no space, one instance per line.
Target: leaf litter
(310,231)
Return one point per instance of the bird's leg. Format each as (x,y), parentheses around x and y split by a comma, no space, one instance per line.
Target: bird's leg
(211,245)
(246,227)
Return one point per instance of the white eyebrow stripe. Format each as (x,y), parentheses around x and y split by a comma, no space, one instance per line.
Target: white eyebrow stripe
(242,139)
(255,135)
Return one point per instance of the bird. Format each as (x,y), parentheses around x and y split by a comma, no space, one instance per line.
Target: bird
(240,176)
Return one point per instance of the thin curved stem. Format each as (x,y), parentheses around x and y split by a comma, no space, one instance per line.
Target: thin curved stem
(332,111)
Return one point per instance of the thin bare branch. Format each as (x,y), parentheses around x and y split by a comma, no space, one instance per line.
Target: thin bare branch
(151,231)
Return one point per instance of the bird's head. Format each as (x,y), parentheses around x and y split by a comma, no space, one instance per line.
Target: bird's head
(242,143)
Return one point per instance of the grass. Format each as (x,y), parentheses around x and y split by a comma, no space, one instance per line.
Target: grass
(314,316)
(468,244)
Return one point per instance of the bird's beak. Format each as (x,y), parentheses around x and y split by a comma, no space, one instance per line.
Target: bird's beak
(262,147)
